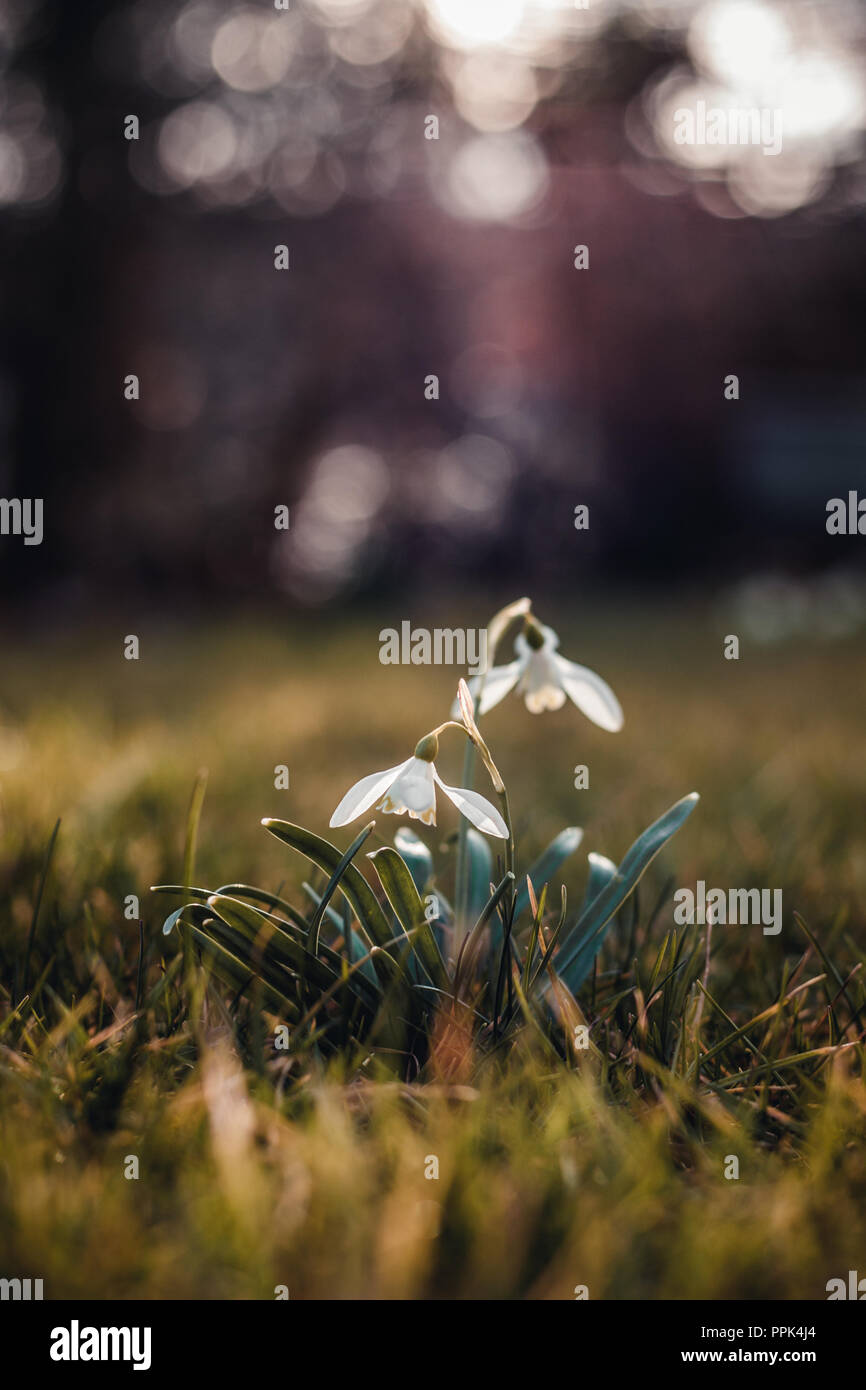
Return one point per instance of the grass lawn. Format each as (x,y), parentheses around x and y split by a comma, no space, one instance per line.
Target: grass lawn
(259,1168)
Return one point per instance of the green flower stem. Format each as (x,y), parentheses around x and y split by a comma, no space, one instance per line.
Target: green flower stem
(509,843)
(496,630)
(474,742)
(462,869)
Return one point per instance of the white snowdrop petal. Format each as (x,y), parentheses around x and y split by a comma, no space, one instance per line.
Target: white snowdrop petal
(365,794)
(541,684)
(497,683)
(545,697)
(591,694)
(414,789)
(476,809)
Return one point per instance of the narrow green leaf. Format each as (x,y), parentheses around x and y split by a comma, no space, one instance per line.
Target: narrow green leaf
(267,943)
(258,895)
(547,863)
(236,973)
(192,824)
(202,893)
(601,871)
(584,940)
(333,884)
(326,856)
(402,894)
(416,855)
(551,945)
(357,947)
(466,963)
(538,913)
(170,921)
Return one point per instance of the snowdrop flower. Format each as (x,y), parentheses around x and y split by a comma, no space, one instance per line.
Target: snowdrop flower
(544,679)
(411,787)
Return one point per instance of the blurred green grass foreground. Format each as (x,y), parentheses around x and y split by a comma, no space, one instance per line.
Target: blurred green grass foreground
(522,1178)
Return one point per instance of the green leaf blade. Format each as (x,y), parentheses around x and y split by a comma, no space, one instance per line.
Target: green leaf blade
(585,939)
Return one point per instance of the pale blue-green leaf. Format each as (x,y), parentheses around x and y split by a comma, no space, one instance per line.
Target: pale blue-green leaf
(170,921)
(480,871)
(416,855)
(547,863)
(601,871)
(359,947)
(584,940)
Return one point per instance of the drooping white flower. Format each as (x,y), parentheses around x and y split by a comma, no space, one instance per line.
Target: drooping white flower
(544,679)
(410,787)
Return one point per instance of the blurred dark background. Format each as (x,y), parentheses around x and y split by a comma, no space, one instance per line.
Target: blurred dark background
(411,257)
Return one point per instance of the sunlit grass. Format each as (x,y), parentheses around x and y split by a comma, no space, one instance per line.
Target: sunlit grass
(259,1168)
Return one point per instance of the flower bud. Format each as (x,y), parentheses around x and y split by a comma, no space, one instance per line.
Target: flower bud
(533,634)
(428,748)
